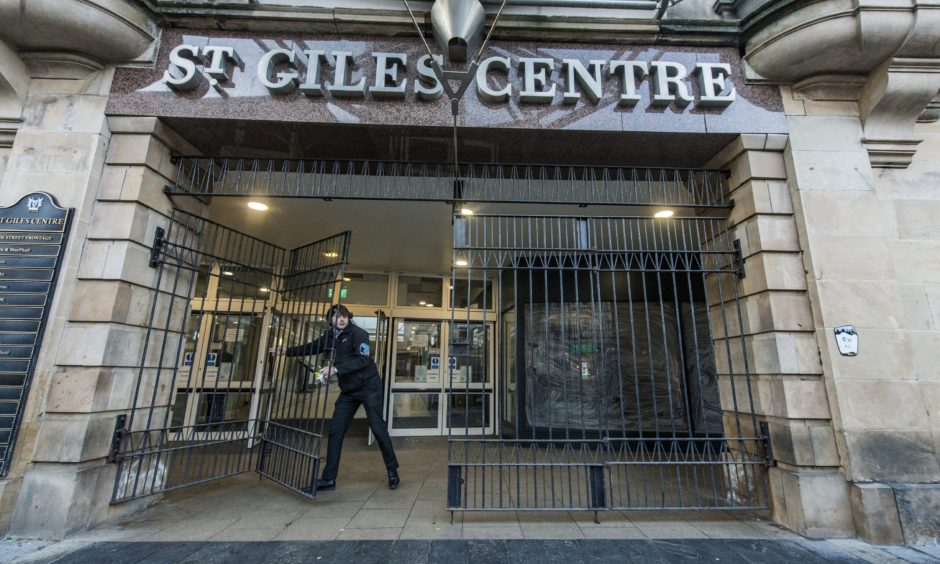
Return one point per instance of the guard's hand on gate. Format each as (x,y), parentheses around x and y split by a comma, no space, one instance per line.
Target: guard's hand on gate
(323,375)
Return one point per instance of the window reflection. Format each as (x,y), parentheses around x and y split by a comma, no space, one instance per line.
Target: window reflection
(472,294)
(420,291)
(415,410)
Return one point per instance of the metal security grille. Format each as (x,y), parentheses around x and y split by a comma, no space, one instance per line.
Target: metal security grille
(378,180)
(295,411)
(614,333)
(209,399)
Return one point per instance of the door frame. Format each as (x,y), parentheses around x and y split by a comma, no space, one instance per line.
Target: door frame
(442,388)
(196,384)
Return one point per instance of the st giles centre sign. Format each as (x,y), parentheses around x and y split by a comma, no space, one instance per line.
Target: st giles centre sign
(392,76)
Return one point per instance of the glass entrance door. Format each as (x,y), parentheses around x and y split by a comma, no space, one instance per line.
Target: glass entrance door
(441,378)
(219,393)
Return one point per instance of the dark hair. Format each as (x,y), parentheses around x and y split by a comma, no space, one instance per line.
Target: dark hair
(340,309)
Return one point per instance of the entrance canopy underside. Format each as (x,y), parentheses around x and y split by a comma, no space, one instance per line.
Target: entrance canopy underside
(397,183)
(403,211)
(535,145)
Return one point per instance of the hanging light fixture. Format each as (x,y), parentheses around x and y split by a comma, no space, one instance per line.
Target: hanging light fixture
(458,27)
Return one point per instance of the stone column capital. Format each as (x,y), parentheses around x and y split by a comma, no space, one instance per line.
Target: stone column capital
(893,100)
(73,38)
(882,54)
(14,85)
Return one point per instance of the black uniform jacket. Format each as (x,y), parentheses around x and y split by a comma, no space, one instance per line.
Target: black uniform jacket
(353,363)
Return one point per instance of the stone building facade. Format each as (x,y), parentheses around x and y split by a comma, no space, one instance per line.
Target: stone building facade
(836,209)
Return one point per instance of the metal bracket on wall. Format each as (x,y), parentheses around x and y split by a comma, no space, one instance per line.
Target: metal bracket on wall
(738,259)
(769,460)
(156,251)
(120,429)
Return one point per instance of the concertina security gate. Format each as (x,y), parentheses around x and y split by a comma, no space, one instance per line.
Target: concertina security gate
(614,332)
(262,414)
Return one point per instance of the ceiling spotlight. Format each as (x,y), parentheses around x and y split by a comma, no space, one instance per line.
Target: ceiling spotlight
(228,273)
(422,302)
(429,305)
(662,214)
(466,211)
(347,279)
(263,290)
(257,206)
(461,262)
(331,254)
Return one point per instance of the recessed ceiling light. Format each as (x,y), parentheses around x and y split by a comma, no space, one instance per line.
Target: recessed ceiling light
(228,273)
(466,211)
(331,254)
(257,206)
(662,214)
(422,302)
(346,279)
(429,305)
(461,262)
(263,290)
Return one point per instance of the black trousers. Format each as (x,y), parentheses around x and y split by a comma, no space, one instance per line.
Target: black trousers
(370,398)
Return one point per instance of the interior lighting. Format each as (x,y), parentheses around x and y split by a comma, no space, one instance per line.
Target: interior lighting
(257,206)
(422,302)
(263,290)
(345,279)
(331,254)
(228,273)
(461,262)
(663,214)
(429,305)
(466,211)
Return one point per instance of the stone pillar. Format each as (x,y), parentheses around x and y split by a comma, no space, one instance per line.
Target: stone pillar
(872,242)
(56,67)
(59,149)
(106,294)
(808,491)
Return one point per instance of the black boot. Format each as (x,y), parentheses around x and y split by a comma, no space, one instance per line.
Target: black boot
(393,479)
(323,485)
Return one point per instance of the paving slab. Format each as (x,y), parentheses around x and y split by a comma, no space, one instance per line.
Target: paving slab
(410,551)
(475,551)
(245,518)
(768,552)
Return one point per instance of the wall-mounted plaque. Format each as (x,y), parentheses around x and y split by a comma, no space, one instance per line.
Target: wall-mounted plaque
(32,239)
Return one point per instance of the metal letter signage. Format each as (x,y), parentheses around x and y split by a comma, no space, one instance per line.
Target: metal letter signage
(32,237)
(389,81)
(282,69)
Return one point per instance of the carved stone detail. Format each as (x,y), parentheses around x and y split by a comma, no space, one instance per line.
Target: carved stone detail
(8,133)
(830,87)
(890,104)
(932,113)
(14,85)
(98,31)
(878,53)
(60,65)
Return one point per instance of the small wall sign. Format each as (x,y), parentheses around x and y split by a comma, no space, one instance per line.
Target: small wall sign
(847,340)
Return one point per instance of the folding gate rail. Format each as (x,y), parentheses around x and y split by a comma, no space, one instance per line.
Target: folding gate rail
(210,400)
(614,332)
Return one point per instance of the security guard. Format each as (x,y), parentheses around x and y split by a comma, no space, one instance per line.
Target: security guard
(359,384)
